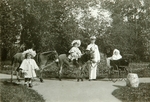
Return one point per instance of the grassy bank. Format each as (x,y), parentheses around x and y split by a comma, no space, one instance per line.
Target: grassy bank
(129,94)
(12,92)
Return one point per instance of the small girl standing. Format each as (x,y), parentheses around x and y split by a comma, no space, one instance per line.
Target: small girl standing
(28,66)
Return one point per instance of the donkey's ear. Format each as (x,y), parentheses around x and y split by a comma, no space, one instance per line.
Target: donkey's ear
(54,49)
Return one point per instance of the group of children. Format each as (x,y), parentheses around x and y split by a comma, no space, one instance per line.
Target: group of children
(29,65)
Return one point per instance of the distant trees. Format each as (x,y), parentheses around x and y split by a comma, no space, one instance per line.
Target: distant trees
(53,24)
(130,27)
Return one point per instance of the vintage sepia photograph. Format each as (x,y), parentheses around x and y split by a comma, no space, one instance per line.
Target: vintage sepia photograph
(74,50)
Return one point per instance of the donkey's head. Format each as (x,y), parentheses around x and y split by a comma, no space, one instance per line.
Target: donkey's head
(53,56)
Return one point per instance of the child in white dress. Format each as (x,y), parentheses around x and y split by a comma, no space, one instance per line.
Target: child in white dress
(75,52)
(28,66)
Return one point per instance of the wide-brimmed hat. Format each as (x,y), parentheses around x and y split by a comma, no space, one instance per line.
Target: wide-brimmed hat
(76,41)
(93,38)
(29,51)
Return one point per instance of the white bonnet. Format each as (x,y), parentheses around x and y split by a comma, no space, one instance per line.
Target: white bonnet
(92,37)
(76,41)
(30,51)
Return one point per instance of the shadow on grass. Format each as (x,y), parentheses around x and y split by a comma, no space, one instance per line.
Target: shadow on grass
(8,83)
(118,86)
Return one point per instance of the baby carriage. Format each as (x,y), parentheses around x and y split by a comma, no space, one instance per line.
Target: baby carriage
(118,70)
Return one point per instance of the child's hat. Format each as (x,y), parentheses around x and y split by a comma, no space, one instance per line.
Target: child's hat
(30,51)
(76,41)
(92,37)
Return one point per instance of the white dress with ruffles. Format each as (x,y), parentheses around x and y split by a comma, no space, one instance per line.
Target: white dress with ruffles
(75,53)
(28,66)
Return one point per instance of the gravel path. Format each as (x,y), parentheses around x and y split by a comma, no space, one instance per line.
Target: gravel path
(68,90)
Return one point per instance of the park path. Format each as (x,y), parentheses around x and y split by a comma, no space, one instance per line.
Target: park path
(68,90)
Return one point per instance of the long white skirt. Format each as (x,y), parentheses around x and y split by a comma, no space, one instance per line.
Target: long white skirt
(92,71)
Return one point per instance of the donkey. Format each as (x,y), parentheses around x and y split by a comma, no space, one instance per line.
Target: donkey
(63,59)
(42,60)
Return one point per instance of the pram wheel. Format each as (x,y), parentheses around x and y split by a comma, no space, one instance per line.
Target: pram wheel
(118,70)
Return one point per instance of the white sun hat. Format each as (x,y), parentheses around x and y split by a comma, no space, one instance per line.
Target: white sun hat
(76,41)
(30,51)
(92,37)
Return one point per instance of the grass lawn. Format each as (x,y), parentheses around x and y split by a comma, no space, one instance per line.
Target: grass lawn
(12,92)
(129,94)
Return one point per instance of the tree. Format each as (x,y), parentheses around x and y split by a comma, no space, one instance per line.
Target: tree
(130,18)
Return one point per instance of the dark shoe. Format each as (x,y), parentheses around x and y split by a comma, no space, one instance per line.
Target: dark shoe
(30,85)
(41,80)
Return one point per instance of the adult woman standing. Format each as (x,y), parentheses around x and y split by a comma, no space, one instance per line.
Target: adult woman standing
(95,58)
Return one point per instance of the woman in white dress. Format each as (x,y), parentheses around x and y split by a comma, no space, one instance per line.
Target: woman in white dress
(94,50)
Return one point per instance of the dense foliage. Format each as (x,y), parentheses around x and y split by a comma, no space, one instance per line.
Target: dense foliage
(52,24)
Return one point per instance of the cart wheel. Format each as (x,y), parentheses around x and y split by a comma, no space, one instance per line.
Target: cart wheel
(123,74)
(115,77)
(109,74)
(116,74)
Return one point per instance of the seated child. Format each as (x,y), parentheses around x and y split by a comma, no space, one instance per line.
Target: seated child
(116,56)
(74,52)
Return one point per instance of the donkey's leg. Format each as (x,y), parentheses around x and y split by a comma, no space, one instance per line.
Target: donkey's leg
(41,77)
(41,66)
(78,74)
(17,75)
(82,75)
(12,73)
(82,71)
(18,72)
(60,72)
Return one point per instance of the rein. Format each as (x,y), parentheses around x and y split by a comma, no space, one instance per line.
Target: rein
(94,65)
